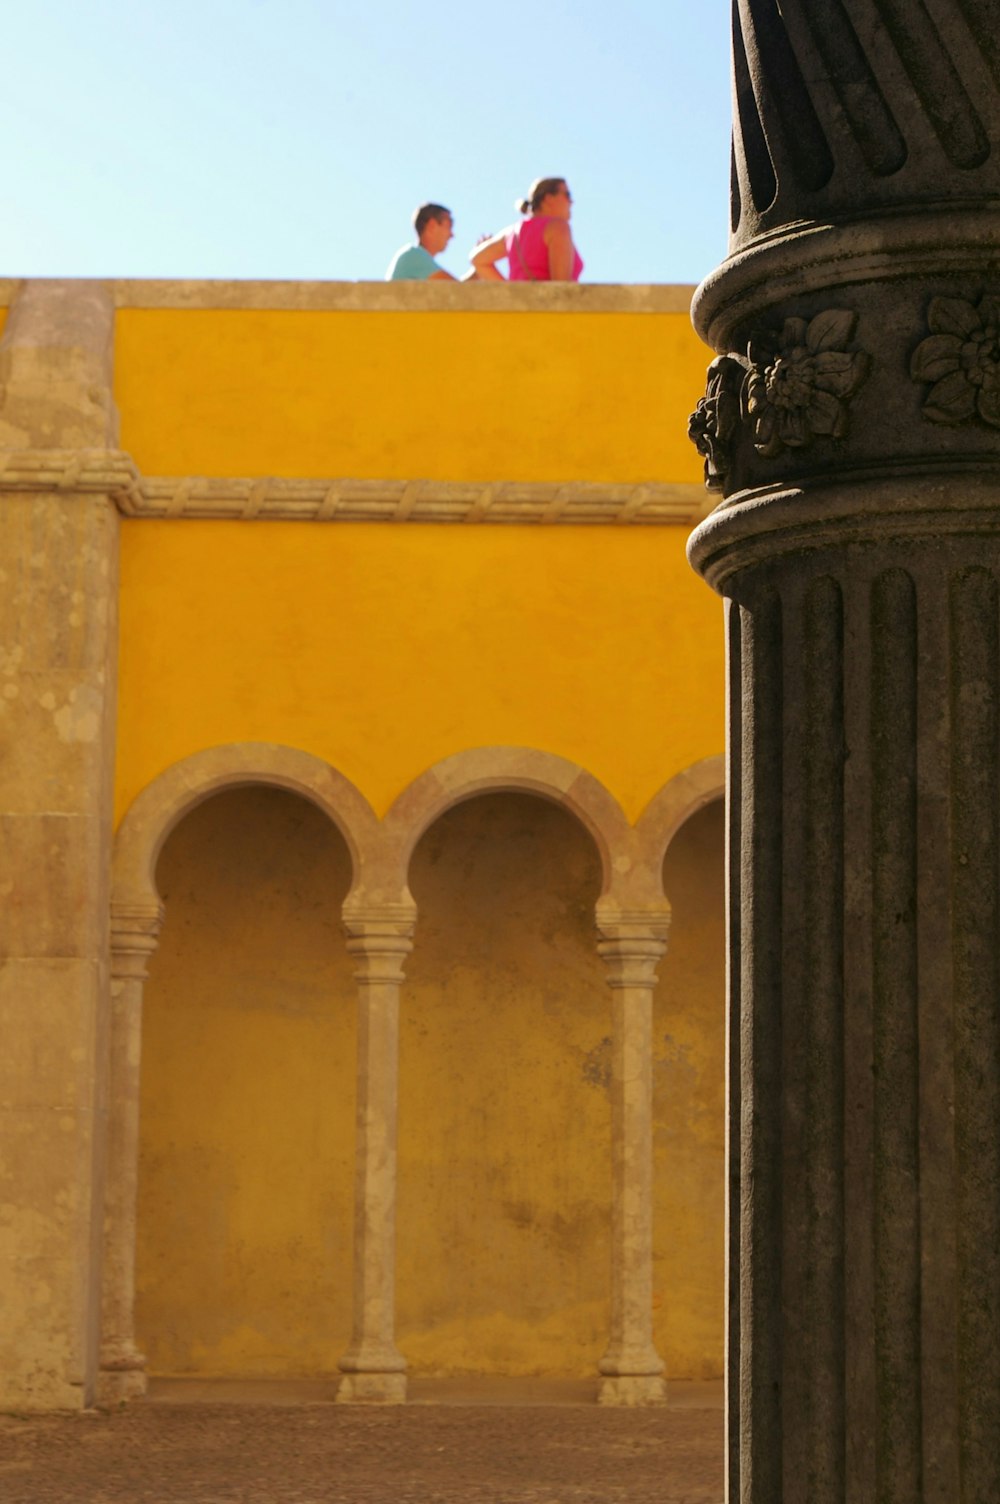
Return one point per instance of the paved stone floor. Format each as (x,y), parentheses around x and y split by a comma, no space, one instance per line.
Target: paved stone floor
(253,1449)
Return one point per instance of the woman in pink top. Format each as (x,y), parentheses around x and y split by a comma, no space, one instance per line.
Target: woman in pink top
(540,248)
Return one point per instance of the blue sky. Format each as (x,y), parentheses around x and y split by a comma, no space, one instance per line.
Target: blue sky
(292,138)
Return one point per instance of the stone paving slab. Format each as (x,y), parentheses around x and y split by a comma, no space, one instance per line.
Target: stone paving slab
(166,1453)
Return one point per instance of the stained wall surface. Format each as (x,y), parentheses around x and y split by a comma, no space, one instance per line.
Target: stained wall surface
(689,1104)
(504,1169)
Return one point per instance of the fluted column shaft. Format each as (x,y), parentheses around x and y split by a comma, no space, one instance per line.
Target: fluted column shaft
(852,424)
(373,1367)
(865,748)
(631,946)
(134,935)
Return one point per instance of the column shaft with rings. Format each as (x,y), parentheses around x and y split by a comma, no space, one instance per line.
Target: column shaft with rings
(852,427)
(134,935)
(631,946)
(380,940)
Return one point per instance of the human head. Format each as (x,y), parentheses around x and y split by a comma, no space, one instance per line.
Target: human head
(434,226)
(548,196)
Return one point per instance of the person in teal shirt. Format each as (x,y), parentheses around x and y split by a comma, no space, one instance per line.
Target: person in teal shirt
(415,263)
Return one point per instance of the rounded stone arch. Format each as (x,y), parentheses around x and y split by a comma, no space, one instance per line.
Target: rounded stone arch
(685,794)
(484,770)
(160,806)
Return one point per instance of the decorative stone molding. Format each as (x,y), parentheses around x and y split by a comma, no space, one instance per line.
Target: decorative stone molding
(82,472)
(345,500)
(280,498)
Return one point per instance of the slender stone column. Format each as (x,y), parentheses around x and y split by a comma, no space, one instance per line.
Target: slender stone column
(381,939)
(631,945)
(135,932)
(852,423)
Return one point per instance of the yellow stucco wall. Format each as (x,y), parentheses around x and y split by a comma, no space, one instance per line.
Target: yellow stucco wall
(384,649)
(449,396)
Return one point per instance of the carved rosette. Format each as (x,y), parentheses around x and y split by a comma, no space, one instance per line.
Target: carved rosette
(961,359)
(799,391)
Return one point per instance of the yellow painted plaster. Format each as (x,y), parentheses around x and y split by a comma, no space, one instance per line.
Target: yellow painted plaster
(384,648)
(532,396)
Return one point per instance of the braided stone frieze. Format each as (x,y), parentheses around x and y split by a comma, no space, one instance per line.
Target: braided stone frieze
(113,473)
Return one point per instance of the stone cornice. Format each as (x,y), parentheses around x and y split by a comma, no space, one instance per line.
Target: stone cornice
(389,297)
(281,498)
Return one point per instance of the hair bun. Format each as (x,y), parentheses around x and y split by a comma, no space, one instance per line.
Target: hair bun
(524,206)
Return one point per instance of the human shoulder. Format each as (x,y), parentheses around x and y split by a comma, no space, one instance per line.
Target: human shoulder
(412,264)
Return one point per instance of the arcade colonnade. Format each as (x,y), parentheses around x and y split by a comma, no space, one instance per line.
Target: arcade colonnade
(379,918)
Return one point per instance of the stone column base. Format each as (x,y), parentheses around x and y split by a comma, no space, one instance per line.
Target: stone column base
(120,1380)
(372,1389)
(633,1389)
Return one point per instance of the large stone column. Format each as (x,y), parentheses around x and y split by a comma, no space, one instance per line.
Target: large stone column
(58,641)
(631,945)
(381,939)
(135,932)
(852,424)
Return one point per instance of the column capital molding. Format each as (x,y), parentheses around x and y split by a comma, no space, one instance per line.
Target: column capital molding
(632,943)
(135,934)
(380,937)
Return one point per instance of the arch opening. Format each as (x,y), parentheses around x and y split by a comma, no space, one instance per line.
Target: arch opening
(243,1257)
(504,1148)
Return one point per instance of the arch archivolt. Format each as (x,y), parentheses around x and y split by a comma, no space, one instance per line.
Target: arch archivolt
(379,915)
(164,803)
